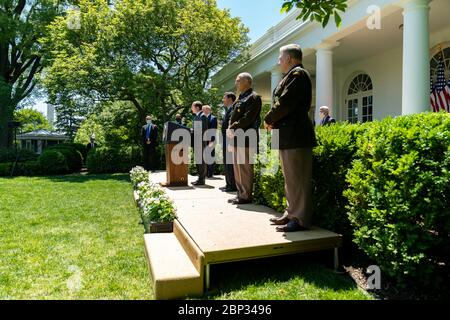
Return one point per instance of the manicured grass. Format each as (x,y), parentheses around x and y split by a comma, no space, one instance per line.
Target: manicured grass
(72,237)
(79,237)
(295,277)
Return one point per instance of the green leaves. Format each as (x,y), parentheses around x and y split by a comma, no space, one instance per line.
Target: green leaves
(156,54)
(319,11)
(397,191)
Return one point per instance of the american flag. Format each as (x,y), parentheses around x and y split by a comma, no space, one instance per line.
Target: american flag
(441,89)
(447,91)
(432,95)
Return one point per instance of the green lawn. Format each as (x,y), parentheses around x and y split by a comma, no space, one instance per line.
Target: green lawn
(75,237)
(78,237)
(295,277)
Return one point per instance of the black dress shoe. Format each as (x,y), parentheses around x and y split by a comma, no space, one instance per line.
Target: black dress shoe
(241,201)
(233,199)
(292,226)
(230,189)
(279,221)
(198,183)
(223,188)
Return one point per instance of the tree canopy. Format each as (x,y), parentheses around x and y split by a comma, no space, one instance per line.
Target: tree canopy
(156,54)
(31,120)
(22,23)
(317,10)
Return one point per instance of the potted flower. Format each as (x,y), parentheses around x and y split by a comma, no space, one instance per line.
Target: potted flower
(157,210)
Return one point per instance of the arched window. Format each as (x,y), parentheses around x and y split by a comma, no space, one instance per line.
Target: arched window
(359,100)
(444,51)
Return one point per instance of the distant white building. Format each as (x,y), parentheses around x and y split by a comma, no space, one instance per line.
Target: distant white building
(51,114)
(362,73)
(38,140)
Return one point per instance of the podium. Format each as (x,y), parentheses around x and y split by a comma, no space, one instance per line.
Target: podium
(176,169)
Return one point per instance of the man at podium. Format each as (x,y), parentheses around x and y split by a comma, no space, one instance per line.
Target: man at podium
(199,126)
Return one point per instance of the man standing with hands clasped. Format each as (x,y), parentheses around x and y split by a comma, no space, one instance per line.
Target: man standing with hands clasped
(149,134)
(243,119)
(289,114)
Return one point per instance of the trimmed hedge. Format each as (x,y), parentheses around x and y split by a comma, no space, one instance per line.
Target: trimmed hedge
(332,159)
(113,160)
(53,162)
(399,196)
(5,169)
(9,155)
(385,185)
(73,157)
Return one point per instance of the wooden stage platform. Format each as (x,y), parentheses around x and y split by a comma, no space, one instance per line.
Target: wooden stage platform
(210,230)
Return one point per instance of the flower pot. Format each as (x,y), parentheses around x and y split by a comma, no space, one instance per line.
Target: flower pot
(158,227)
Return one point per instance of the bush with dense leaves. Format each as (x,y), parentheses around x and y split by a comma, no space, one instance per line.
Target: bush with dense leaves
(332,159)
(29,169)
(77,146)
(73,156)
(5,169)
(113,159)
(399,196)
(53,162)
(23,155)
(385,185)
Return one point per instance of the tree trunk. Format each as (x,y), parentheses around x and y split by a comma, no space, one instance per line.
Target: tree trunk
(6,115)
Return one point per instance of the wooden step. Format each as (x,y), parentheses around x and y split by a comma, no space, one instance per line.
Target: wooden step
(173,273)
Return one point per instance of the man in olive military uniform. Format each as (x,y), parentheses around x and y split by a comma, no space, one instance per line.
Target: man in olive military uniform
(245,115)
(289,114)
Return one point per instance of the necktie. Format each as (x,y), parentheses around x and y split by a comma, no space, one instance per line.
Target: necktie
(147,134)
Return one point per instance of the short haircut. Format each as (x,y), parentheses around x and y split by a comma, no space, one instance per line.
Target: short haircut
(230,95)
(148,117)
(247,76)
(324,109)
(197,104)
(294,51)
(206,107)
(178,115)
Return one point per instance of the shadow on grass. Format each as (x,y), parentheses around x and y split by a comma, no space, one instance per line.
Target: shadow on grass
(82,178)
(314,268)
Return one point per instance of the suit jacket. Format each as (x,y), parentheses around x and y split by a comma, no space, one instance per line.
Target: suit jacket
(226,119)
(212,122)
(153,135)
(289,112)
(327,121)
(200,120)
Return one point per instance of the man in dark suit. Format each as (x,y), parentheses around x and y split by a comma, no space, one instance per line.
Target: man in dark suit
(289,114)
(149,136)
(228,100)
(324,112)
(200,125)
(179,119)
(245,114)
(212,124)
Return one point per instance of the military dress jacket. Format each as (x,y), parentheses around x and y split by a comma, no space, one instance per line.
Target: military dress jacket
(289,113)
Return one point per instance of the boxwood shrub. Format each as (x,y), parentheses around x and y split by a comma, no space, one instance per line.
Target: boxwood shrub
(399,196)
(113,159)
(53,162)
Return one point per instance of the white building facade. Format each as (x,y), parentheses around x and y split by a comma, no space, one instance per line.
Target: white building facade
(377,64)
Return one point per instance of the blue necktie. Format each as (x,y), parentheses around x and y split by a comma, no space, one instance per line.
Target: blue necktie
(147,134)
